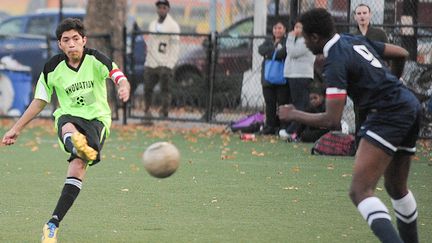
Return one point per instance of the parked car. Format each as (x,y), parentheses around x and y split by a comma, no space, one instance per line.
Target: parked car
(24,38)
(3,15)
(234,57)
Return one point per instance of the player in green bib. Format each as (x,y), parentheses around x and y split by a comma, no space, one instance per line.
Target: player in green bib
(83,116)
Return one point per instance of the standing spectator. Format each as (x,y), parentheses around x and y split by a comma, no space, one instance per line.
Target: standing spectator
(274,95)
(353,66)
(299,71)
(163,52)
(83,116)
(363,15)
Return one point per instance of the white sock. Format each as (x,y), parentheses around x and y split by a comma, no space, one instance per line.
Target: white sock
(406,208)
(372,208)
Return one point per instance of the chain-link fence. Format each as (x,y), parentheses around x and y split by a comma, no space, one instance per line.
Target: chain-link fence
(209,79)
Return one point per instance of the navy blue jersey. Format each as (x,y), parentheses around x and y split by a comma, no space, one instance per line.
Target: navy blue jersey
(392,113)
(353,65)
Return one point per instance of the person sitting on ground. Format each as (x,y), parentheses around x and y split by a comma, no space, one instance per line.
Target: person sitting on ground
(309,134)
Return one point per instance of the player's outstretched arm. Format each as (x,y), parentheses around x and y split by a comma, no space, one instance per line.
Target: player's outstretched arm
(331,118)
(35,107)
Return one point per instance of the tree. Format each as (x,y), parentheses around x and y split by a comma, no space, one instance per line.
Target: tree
(107,18)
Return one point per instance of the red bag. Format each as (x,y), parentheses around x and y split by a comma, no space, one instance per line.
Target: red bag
(335,143)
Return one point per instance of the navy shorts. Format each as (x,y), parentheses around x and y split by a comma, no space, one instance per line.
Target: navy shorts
(94,130)
(394,130)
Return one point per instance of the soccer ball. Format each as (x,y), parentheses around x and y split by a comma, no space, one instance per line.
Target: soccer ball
(161,159)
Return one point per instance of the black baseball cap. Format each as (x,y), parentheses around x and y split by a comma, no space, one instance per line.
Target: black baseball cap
(165,2)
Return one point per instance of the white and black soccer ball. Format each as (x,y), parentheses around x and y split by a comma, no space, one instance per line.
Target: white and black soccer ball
(161,159)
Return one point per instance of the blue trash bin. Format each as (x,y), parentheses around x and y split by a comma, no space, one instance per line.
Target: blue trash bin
(22,85)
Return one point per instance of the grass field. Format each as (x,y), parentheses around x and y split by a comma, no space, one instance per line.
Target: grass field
(226,190)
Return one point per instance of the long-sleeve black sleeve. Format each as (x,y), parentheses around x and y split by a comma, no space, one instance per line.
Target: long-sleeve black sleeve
(266,49)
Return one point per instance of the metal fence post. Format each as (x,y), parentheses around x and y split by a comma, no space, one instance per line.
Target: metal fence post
(125,69)
(212,73)
(294,12)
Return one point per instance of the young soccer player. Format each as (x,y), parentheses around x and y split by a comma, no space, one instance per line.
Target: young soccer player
(83,117)
(353,66)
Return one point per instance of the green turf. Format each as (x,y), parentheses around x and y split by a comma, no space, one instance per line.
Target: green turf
(226,190)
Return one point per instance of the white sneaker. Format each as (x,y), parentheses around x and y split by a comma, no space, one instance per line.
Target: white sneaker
(283,135)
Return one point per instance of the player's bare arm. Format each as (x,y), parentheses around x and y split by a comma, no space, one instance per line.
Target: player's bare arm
(123,86)
(398,55)
(36,106)
(395,52)
(330,118)
(123,90)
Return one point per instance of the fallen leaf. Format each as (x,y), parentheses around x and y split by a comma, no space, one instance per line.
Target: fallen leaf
(226,157)
(295,169)
(258,154)
(134,167)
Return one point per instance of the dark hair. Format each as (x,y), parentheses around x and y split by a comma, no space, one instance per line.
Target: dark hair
(362,5)
(164,2)
(280,21)
(70,24)
(317,87)
(318,21)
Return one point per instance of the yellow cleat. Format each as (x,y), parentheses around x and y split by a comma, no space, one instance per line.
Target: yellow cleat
(84,151)
(49,233)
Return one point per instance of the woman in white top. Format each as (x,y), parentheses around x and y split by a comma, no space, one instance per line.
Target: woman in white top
(299,71)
